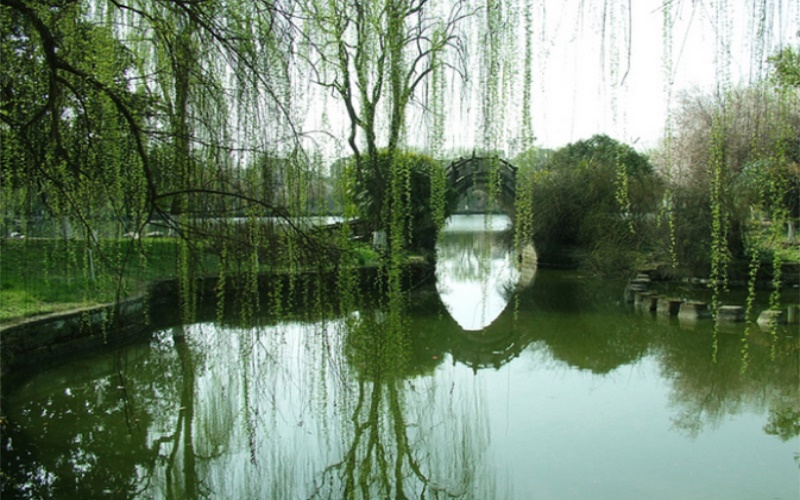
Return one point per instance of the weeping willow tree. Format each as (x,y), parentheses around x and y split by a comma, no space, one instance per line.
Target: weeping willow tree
(194,117)
(375,57)
(119,117)
(70,126)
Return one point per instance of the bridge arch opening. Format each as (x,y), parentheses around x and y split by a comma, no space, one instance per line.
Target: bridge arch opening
(493,177)
(476,273)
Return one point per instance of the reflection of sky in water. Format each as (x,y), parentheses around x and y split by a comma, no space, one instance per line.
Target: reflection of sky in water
(473,272)
(599,403)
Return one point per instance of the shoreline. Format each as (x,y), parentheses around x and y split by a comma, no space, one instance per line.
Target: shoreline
(42,340)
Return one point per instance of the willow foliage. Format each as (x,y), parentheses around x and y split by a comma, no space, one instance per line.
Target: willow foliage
(118,118)
(121,117)
(197,118)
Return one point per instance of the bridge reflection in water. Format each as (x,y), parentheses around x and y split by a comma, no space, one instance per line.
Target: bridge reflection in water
(476,273)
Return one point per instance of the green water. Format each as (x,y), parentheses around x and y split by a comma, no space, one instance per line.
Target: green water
(564,393)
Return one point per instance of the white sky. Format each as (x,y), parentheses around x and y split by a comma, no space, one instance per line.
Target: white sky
(577,91)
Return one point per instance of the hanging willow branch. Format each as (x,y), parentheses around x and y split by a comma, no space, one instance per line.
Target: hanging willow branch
(271,210)
(379,48)
(57,64)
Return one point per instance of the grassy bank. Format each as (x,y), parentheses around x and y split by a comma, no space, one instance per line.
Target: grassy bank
(46,275)
(39,276)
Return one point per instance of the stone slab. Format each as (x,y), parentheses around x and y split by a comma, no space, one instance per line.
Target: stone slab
(669,306)
(693,311)
(730,314)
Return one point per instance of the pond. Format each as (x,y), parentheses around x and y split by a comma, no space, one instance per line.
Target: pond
(485,390)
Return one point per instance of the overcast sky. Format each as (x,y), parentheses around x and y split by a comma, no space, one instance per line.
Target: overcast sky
(578,93)
(580,56)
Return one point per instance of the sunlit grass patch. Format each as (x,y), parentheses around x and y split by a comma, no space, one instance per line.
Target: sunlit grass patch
(776,241)
(40,276)
(22,304)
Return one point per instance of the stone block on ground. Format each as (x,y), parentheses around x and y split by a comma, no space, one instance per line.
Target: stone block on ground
(640,297)
(669,306)
(651,303)
(793,314)
(770,316)
(632,289)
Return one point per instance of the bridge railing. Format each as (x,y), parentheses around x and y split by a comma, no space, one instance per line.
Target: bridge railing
(465,173)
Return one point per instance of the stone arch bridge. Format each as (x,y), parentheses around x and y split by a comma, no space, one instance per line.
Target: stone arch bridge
(464,174)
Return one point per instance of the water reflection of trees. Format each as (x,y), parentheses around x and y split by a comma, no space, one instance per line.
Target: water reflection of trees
(581,323)
(332,408)
(584,325)
(88,424)
(348,407)
(390,451)
(704,393)
(467,254)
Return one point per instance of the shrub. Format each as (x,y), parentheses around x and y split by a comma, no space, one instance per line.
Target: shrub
(592,202)
(750,135)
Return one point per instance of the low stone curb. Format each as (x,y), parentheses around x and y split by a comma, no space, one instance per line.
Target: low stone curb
(41,340)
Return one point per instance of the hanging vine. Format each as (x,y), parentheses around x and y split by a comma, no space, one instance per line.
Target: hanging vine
(777,188)
(493,34)
(720,257)
(528,137)
(667,211)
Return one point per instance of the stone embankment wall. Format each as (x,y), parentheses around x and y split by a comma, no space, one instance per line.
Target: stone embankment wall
(38,341)
(42,340)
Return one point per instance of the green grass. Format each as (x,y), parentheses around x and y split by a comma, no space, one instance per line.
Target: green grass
(774,240)
(44,275)
(40,276)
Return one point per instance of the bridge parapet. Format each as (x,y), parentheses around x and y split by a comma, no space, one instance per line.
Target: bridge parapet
(480,171)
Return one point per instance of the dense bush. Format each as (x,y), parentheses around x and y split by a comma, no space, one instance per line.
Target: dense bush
(593,201)
(750,135)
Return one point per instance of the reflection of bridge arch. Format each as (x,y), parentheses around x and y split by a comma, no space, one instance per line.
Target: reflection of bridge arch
(481,171)
(592,339)
(491,347)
